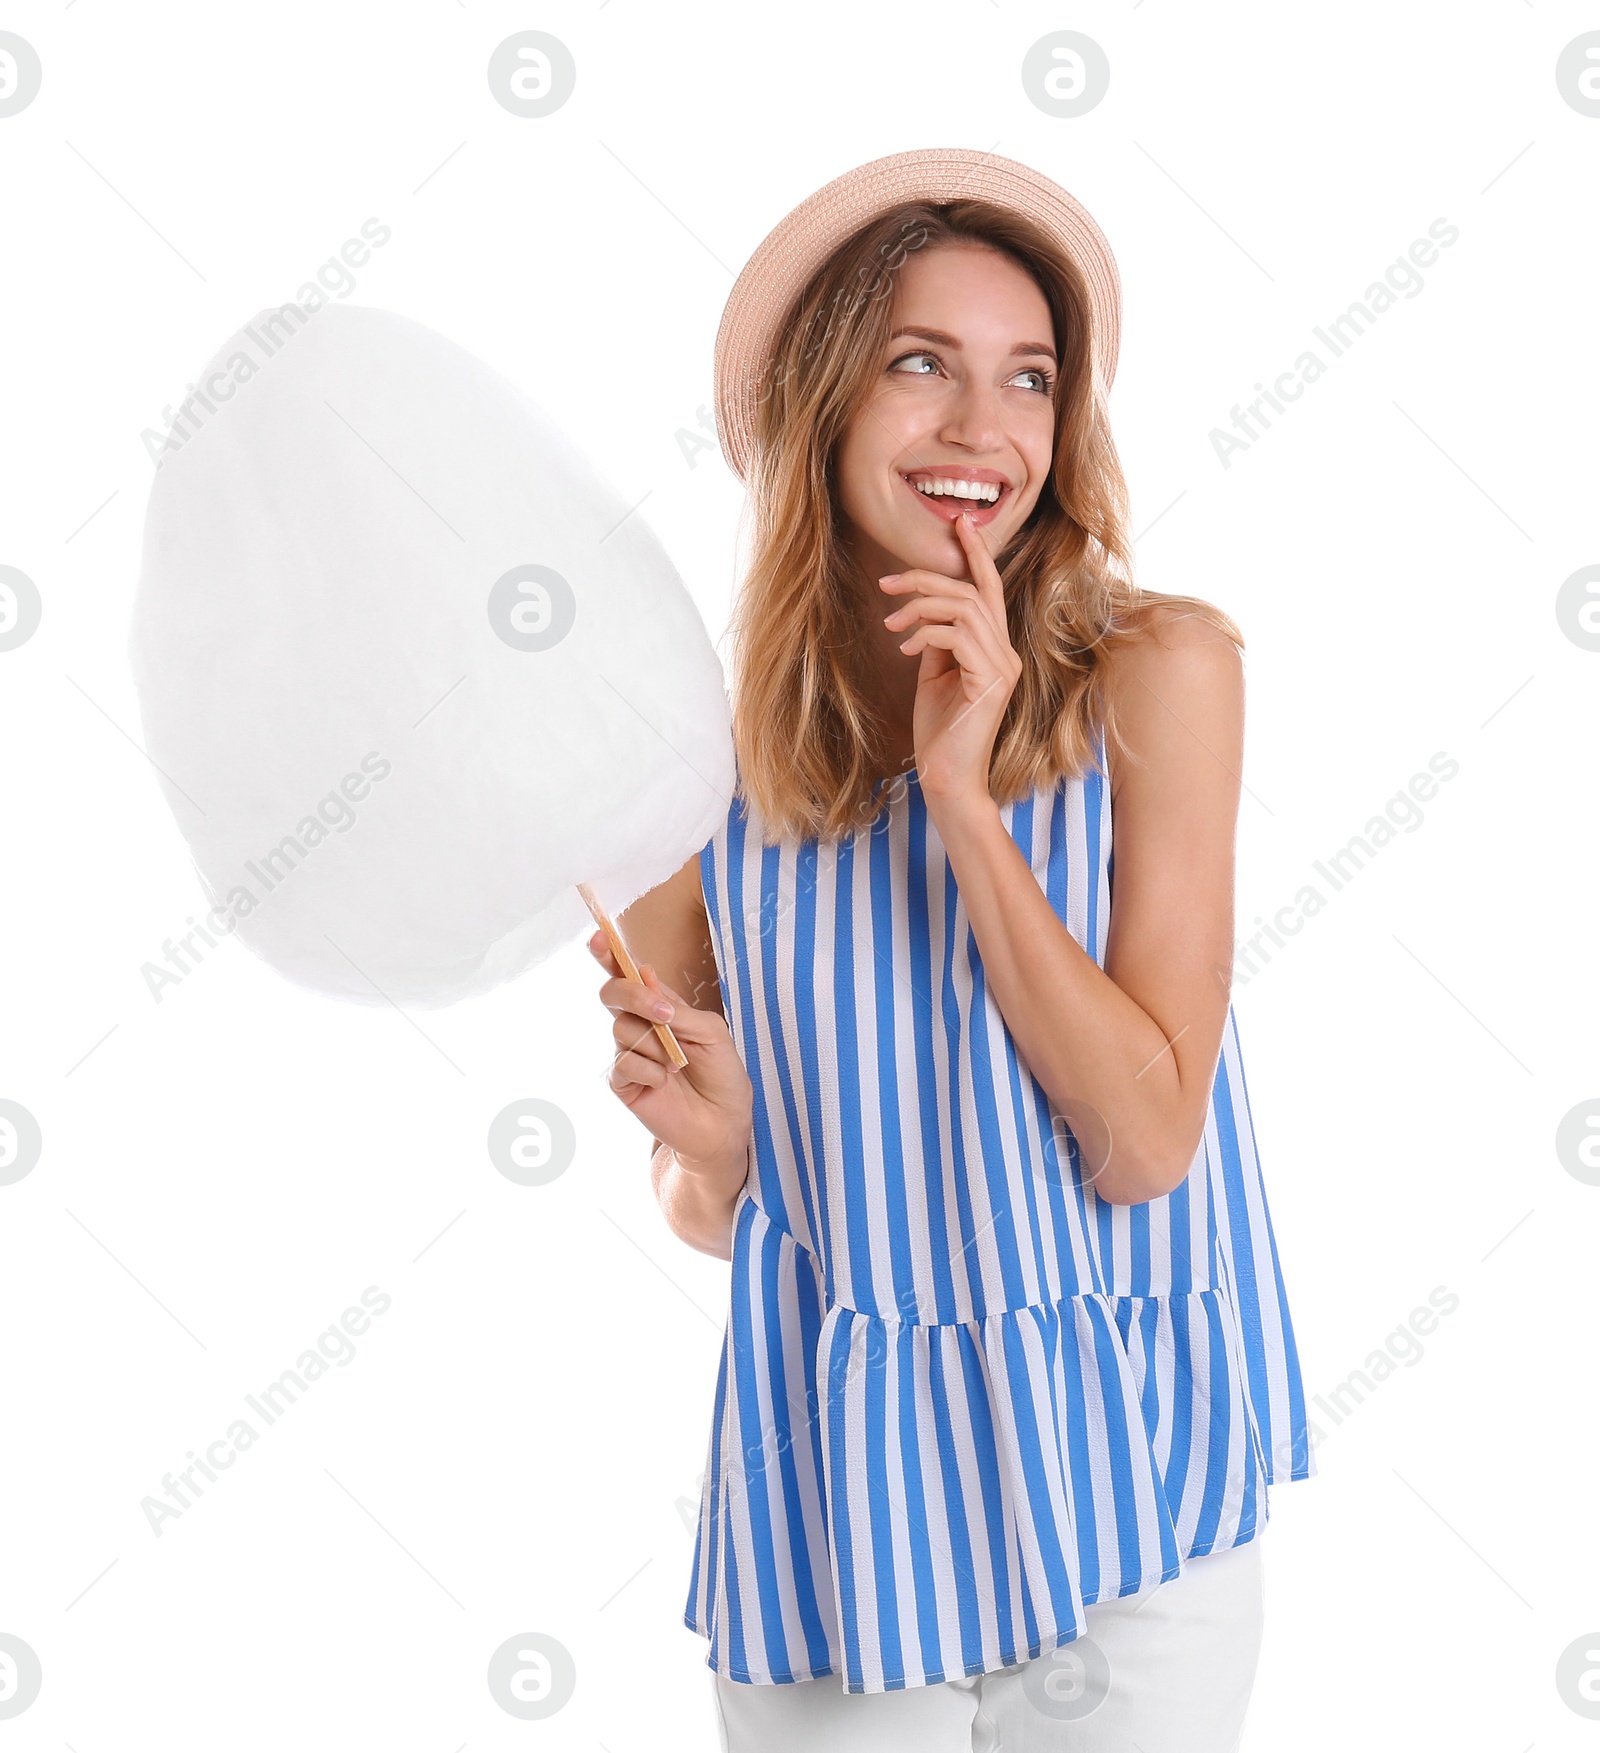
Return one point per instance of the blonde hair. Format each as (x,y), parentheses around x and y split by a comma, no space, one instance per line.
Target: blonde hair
(809,736)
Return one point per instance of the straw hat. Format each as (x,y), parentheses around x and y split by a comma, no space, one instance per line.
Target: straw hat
(786,259)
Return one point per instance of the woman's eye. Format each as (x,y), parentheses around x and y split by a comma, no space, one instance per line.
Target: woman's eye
(1046,381)
(905,356)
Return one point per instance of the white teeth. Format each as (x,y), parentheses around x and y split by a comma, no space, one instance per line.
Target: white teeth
(985,492)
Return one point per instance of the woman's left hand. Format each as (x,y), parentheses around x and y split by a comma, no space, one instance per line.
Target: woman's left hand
(968,667)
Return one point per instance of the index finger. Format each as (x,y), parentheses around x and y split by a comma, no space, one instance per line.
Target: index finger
(985,574)
(636,997)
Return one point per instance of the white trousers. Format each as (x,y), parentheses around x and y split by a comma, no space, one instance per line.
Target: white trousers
(1168,1670)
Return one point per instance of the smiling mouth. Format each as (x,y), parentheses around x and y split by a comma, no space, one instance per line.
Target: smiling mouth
(950,506)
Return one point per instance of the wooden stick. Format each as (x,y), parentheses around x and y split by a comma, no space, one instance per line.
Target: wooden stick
(629,967)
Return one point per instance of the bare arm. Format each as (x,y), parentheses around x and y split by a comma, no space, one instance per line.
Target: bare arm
(1135,1044)
(701,1115)
(698,1199)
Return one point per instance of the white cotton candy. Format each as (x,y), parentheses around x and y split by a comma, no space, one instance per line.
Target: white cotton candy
(392,770)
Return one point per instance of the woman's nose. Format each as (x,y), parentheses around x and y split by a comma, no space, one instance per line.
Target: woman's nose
(973,418)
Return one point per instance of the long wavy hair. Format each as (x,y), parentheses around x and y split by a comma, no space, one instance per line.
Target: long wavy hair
(809,736)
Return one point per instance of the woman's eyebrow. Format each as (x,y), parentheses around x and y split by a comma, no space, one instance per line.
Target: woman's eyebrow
(943,340)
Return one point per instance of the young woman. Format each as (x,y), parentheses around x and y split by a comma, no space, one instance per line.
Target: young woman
(1009,1362)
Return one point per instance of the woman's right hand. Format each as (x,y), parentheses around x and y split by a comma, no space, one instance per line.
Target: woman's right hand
(701,1111)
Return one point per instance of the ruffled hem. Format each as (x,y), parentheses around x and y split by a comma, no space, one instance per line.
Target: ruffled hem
(1052,1639)
(905,1504)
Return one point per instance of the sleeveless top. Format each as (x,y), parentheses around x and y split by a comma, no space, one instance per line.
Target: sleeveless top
(960,1396)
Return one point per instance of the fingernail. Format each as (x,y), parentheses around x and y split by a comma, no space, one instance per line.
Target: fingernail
(889,578)
(663,1011)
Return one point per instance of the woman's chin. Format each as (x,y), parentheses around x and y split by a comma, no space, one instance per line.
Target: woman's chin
(933,549)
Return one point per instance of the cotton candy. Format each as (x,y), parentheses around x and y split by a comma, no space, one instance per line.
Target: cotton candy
(408,668)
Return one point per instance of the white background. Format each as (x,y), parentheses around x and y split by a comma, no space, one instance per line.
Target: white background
(224,1172)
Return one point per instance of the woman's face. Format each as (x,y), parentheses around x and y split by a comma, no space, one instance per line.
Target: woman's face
(965,393)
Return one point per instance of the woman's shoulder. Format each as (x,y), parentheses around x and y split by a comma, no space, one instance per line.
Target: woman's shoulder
(1174,622)
(1176,680)
(1172,637)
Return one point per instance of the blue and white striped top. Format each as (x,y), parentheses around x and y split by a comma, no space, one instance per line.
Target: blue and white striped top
(960,1396)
